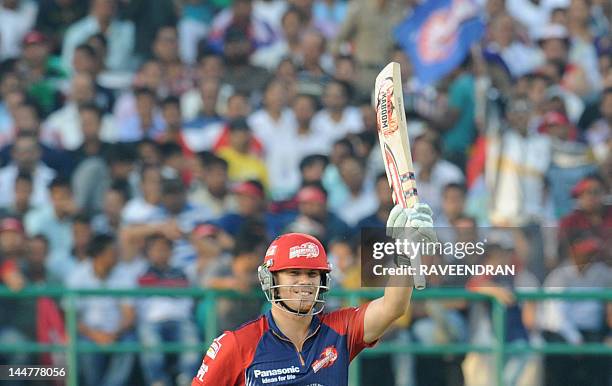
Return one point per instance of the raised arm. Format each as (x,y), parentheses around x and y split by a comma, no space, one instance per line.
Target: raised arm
(415,224)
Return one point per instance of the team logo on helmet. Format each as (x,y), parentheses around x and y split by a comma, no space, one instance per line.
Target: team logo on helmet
(271,250)
(308,250)
(326,359)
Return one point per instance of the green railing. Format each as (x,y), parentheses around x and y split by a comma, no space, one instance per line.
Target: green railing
(500,349)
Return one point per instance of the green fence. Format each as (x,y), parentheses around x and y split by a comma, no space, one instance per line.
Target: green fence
(500,349)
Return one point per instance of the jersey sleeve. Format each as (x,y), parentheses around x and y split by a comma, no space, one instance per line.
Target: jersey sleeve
(222,364)
(349,322)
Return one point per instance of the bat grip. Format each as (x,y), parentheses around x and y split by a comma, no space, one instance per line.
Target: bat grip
(415,262)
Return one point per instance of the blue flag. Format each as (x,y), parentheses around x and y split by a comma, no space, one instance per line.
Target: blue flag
(437,36)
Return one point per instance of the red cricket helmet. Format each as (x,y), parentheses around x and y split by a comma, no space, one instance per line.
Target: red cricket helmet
(294,251)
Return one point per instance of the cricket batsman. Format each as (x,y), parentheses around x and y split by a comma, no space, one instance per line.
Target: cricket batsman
(295,343)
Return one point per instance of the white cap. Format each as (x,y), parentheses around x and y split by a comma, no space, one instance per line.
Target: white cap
(551,31)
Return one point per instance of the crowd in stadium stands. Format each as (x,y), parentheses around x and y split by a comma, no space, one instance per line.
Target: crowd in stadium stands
(165,143)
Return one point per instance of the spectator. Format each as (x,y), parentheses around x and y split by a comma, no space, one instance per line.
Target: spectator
(102,19)
(109,220)
(16,19)
(337,119)
(145,123)
(528,158)
(148,21)
(92,171)
(599,134)
(582,51)
(104,320)
(274,125)
(12,246)
(208,242)
(23,192)
(43,74)
(55,221)
(361,199)
(315,65)
(85,60)
(328,16)
(26,154)
(571,160)
(237,50)
(175,219)
(312,168)
(520,316)
(250,203)
(173,124)
(165,50)
(453,204)
(165,319)
(59,267)
(238,274)
(435,322)
(91,117)
(27,122)
(288,45)
(519,58)
(149,75)
(370,45)
(432,172)
(240,14)
(242,163)
(377,219)
(201,110)
(139,209)
(62,129)
(55,16)
(274,119)
(211,189)
(576,322)
(16,323)
(297,139)
(571,79)
(591,214)
(315,218)
(12,96)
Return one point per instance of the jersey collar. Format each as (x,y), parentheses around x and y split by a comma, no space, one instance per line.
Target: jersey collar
(314,324)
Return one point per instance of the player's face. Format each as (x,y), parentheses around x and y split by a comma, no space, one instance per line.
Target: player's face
(302,288)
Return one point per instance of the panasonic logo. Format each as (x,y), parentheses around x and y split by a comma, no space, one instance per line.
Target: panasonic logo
(269,373)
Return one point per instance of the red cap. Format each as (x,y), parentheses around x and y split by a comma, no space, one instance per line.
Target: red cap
(582,186)
(296,250)
(11,224)
(34,37)
(311,194)
(586,246)
(249,189)
(555,118)
(204,230)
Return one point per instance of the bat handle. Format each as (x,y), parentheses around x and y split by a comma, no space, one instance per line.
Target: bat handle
(415,263)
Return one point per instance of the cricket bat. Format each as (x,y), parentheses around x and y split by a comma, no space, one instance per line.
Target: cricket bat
(395,146)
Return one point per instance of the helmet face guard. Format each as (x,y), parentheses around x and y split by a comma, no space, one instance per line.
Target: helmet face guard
(271,290)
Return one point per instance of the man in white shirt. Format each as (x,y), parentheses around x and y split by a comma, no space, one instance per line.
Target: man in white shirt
(16,18)
(432,172)
(26,157)
(119,35)
(62,129)
(337,119)
(104,320)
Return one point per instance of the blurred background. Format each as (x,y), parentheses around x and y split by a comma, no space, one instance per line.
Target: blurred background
(164,143)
